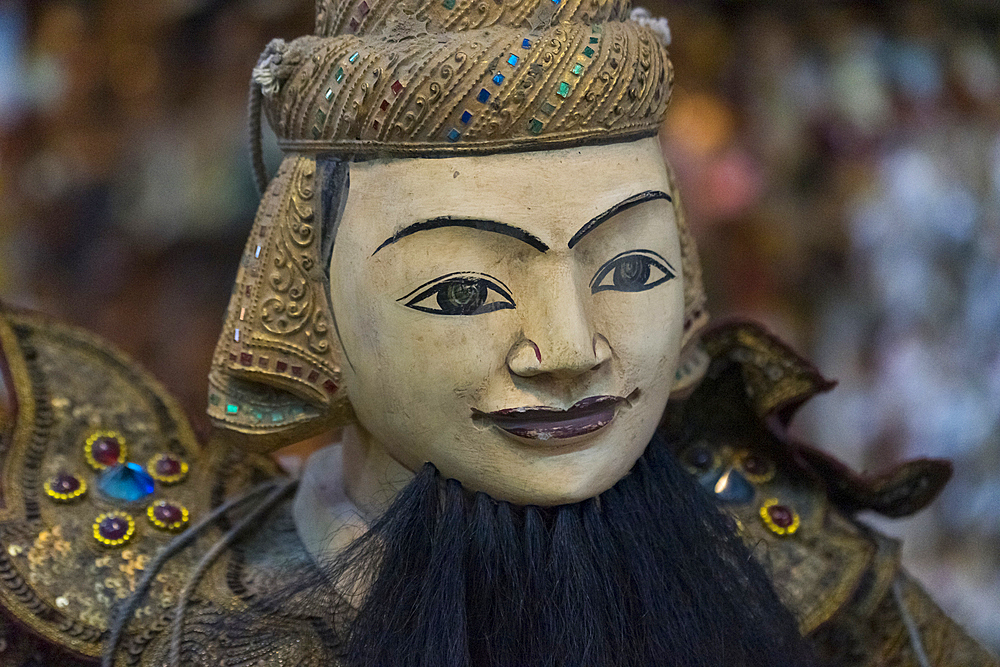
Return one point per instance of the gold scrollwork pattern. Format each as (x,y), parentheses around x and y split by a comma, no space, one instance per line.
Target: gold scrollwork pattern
(274,368)
(461,76)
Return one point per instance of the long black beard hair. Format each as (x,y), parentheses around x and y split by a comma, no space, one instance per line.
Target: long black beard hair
(647,573)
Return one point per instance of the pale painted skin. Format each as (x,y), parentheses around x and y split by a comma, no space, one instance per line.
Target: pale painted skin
(415,378)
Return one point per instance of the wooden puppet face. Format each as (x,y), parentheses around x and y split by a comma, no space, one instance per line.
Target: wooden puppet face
(513,319)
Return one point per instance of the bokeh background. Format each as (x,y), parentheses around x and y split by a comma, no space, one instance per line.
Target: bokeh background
(840,162)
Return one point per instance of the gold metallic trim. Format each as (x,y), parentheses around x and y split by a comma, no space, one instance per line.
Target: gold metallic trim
(379,149)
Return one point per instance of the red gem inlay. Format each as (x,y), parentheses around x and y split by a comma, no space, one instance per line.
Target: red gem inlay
(113,528)
(384,105)
(313,376)
(246,359)
(782,516)
(168,513)
(364,8)
(330,386)
(397,87)
(106,450)
(281,367)
(168,466)
(354,25)
(65,483)
(297,371)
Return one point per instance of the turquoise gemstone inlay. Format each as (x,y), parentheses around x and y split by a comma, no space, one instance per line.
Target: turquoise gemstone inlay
(453,135)
(498,78)
(126,481)
(512,61)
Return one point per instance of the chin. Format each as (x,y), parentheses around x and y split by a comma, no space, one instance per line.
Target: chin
(560,480)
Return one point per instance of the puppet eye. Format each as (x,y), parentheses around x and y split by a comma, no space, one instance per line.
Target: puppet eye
(634,271)
(460,295)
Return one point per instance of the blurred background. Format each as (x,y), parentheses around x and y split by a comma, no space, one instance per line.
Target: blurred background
(840,163)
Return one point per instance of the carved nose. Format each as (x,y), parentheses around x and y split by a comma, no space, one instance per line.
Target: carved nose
(564,357)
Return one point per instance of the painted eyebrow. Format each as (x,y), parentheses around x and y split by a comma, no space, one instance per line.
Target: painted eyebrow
(482,225)
(624,205)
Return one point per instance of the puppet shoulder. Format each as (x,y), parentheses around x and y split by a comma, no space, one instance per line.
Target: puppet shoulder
(796,506)
(99,471)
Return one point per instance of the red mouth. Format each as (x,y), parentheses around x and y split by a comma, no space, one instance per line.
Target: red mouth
(547,423)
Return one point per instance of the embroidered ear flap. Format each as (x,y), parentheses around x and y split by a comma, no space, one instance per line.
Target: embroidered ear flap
(275,373)
(693,361)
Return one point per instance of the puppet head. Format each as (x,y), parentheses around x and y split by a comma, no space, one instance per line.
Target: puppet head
(473,245)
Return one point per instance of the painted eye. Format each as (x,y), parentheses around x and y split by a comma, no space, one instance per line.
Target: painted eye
(633,271)
(459,294)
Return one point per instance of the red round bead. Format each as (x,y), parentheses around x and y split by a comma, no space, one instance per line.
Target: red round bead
(167,513)
(782,516)
(106,450)
(113,528)
(168,466)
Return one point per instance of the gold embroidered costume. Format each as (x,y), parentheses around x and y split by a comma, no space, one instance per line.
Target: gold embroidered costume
(60,584)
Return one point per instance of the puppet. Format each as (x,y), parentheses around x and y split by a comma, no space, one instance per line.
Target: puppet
(473,261)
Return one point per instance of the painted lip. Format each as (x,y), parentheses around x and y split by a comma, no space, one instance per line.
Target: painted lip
(548,423)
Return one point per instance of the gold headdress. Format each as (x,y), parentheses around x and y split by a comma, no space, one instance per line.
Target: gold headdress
(414,78)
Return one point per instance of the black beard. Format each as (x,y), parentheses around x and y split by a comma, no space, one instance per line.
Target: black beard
(648,573)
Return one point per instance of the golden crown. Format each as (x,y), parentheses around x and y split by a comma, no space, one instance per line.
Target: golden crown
(428,77)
